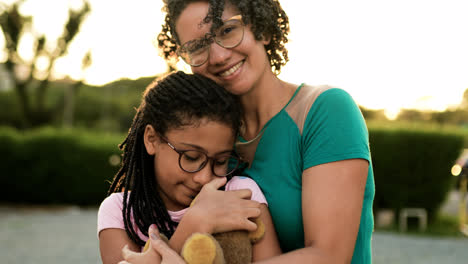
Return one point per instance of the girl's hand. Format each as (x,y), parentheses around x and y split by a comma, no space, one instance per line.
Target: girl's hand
(159,252)
(217,211)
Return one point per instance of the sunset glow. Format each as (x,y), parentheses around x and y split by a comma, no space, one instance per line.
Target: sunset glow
(386,54)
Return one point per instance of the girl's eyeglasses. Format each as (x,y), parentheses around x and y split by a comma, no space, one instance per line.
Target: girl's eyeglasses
(194,161)
(196,52)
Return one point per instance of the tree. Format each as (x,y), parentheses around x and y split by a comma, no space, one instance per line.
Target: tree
(464,102)
(414,115)
(370,114)
(29,80)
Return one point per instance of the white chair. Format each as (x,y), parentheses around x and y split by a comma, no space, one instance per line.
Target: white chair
(420,213)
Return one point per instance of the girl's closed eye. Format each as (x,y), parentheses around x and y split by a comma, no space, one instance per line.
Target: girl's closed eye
(192,156)
(222,161)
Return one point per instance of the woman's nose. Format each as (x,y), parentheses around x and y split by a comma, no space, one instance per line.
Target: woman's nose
(218,54)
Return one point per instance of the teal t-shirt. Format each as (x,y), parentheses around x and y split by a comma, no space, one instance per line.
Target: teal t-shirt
(318,125)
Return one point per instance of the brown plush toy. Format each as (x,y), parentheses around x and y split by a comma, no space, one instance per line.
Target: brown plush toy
(233,247)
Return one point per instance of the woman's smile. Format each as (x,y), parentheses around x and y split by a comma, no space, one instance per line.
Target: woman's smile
(230,71)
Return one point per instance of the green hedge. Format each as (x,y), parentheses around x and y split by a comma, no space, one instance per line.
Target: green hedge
(56,166)
(10,111)
(412,167)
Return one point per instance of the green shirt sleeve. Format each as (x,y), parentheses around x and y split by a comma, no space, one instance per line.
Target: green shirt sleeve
(334,130)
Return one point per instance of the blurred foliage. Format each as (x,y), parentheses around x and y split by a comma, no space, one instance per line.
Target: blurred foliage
(109,108)
(57,166)
(412,166)
(72,166)
(456,115)
(10,113)
(434,127)
(464,102)
(30,77)
(370,114)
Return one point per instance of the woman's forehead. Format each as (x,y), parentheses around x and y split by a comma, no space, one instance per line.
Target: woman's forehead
(191,19)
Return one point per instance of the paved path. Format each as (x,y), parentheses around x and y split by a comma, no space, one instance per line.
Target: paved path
(389,248)
(45,235)
(67,235)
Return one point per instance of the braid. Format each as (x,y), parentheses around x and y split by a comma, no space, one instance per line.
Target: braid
(172,102)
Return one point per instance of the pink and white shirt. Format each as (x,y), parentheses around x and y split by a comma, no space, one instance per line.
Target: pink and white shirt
(110,210)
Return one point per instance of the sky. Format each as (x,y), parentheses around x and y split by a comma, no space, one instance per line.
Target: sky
(388,54)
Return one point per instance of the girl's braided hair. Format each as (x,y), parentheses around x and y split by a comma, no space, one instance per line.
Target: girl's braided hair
(266,17)
(172,102)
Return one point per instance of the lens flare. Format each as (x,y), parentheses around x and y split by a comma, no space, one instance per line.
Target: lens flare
(456,170)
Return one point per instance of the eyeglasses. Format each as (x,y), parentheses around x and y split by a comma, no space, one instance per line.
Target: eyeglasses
(229,35)
(194,161)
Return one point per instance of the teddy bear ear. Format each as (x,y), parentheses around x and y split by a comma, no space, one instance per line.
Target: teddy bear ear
(256,235)
(202,248)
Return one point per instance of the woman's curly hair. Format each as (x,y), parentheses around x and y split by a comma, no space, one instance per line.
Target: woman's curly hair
(266,17)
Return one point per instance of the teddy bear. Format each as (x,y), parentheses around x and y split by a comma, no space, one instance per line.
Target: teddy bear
(232,247)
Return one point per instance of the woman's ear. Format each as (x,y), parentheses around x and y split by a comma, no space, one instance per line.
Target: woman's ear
(151,140)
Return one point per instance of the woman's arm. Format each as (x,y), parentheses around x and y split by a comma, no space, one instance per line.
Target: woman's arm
(268,246)
(332,197)
(111,242)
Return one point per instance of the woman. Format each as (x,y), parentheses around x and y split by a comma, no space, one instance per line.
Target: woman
(307,146)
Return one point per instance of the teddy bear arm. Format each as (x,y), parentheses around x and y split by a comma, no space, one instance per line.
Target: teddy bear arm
(256,235)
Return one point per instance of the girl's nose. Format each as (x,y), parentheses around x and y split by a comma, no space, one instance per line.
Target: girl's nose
(203,176)
(218,55)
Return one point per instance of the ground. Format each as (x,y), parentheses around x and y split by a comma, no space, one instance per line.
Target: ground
(55,235)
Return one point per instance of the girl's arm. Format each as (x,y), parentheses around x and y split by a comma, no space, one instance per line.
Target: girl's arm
(216,211)
(111,242)
(268,246)
(332,197)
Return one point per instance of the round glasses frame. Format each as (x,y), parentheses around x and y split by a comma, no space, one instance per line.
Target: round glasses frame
(207,159)
(205,42)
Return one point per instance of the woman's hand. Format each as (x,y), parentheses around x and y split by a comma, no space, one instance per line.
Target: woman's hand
(217,211)
(159,252)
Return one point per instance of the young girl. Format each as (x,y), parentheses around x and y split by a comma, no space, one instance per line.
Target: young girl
(178,147)
(307,146)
